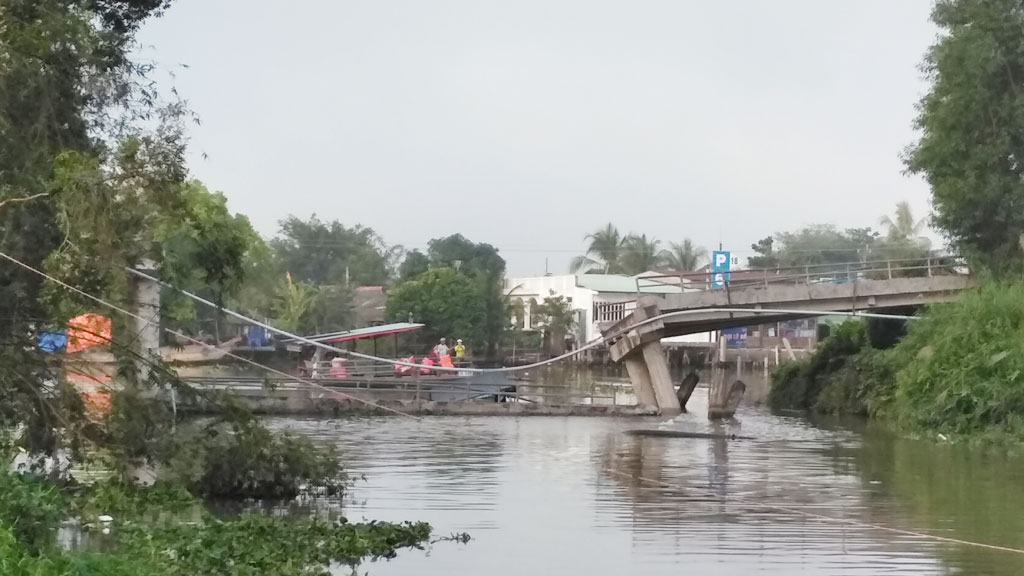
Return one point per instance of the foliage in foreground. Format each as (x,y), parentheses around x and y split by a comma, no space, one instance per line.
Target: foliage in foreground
(962,366)
(959,370)
(162,531)
(970,124)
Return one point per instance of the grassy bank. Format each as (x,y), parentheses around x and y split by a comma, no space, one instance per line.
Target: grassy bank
(958,370)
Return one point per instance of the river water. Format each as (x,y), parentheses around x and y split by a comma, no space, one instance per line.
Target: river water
(577,496)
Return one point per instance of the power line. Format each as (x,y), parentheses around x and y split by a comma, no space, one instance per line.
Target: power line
(598,342)
(557,458)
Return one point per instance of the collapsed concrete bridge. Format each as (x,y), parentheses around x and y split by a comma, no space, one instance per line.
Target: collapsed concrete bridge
(636,341)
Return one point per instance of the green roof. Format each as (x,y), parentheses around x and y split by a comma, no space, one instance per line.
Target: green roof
(622,284)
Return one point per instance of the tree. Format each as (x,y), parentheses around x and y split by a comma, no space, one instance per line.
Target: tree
(447,301)
(604,251)
(206,250)
(328,253)
(486,268)
(639,254)
(414,264)
(309,308)
(971,123)
(555,313)
(295,301)
(684,256)
(456,251)
(904,227)
(823,244)
(766,257)
(556,316)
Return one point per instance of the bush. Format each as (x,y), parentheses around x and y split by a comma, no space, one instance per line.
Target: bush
(845,375)
(246,460)
(962,366)
(789,385)
(147,538)
(31,509)
(799,384)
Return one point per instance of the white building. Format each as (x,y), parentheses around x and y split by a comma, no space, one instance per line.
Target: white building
(596,298)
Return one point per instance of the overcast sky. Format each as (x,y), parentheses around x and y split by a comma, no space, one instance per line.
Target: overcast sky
(528,123)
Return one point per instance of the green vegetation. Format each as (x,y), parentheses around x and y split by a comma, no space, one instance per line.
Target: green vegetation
(958,371)
(846,374)
(162,531)
(445,300)
(822,245)
(93,181)
(970,122)
(457,290)
(961,366)
(611,252)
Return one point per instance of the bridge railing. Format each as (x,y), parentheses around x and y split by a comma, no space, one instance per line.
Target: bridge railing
(930,265)
(431,387)
(937,264)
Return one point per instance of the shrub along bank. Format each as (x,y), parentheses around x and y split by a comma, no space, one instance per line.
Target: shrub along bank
(164,531)
(959,370)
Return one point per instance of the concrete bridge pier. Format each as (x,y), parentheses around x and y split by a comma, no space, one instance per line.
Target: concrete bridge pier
(639,348)
(725,393)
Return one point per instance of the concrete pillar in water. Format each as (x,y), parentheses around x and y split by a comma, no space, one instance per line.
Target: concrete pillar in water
(725,407)
(147,326)
(639,347)
(661,379)
(686,389)
(640,378)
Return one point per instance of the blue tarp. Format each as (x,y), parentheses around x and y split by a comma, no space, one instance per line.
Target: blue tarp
(52,341)
(258,336)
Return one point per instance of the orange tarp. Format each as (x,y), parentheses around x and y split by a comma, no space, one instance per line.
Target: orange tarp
(86,331)
(95,392)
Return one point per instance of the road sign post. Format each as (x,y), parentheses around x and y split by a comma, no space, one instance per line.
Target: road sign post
(721,262)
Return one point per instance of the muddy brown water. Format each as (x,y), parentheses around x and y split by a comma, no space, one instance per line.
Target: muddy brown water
(565,496)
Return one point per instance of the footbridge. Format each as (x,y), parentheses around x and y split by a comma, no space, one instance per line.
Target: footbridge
(790,293)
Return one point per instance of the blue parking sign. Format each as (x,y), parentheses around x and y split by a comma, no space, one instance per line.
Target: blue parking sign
(720,264)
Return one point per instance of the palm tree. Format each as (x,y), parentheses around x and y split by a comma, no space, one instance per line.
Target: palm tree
(603,252)
(640,254)
(904,227)
(684,256)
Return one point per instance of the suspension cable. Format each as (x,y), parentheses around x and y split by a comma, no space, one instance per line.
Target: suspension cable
(508,369)
(754,503)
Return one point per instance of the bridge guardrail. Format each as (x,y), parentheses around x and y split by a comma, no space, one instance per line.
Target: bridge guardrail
(934,264)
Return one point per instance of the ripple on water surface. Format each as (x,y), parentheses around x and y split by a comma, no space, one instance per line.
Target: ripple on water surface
(577,496)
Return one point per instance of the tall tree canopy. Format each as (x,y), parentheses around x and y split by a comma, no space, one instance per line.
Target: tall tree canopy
(640,254)
(329,253)
(902,225)
(972,129)
(684,256)
(819,244)
(604,250)
(414,264)
(446,300)
(92,180)
(611,252)
(457,263)
(486,268)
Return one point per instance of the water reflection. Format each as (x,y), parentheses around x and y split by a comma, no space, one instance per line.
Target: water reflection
(576,496)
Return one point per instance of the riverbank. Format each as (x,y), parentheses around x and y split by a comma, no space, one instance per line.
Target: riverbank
(957,371)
